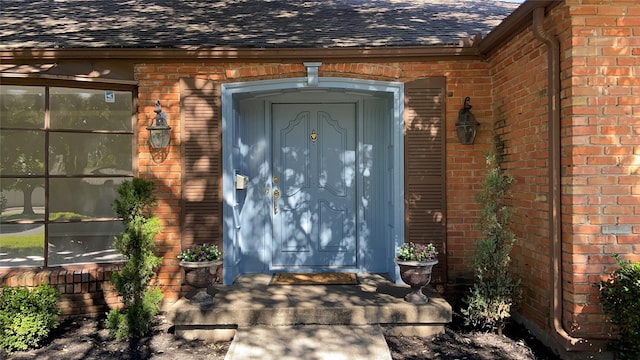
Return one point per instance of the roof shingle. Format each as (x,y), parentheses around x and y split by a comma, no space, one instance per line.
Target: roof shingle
(245,23)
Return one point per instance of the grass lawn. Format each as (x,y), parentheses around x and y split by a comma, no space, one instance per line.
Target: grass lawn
(22,241)
(32,240)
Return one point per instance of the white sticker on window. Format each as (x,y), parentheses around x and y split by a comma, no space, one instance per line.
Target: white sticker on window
(109,96)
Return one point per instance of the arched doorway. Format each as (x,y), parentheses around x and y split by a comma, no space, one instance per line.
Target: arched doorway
(323,166)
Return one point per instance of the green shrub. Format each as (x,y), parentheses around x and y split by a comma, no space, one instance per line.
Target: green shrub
(135,199)
(137,320)
(27,316)
(495,290)
(136,243)
(620,299)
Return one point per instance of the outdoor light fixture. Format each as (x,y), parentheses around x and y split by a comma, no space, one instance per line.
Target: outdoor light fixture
(160,133)
(467,126)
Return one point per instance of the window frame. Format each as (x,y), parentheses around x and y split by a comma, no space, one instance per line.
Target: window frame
(47,84)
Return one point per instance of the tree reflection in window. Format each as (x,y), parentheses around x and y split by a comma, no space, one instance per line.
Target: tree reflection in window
(79,156)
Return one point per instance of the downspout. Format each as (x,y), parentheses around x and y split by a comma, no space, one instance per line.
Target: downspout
(568,342)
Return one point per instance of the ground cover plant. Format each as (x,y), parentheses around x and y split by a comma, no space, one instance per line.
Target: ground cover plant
(27,316)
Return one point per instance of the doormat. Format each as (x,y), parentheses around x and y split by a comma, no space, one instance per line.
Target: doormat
(323,278)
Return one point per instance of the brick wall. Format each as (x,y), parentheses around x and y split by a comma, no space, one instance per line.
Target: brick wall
(83,289)
(600,64)
(163,168)
(601,133)
(465,164)
(520,99)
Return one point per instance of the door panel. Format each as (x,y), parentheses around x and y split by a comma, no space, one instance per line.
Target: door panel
(313,189)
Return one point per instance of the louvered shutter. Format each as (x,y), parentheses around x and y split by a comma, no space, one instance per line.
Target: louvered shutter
(201,168)
(425,204)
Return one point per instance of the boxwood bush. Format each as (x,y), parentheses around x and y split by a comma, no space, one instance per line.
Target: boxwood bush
(27,316)
(620,299)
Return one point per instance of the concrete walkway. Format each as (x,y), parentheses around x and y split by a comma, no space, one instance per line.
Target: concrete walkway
(309,342)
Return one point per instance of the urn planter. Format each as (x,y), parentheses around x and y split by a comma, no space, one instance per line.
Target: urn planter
(416,274)
(200,275)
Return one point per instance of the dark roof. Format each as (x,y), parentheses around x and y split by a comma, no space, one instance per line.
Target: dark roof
(199,24)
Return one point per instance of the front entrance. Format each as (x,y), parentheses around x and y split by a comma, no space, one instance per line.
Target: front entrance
(324,171)
(314,185)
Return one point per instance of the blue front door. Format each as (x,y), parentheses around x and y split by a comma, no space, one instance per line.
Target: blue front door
(313,192)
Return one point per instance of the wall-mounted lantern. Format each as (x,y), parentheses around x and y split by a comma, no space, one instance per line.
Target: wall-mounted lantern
(467,126)
(160,133)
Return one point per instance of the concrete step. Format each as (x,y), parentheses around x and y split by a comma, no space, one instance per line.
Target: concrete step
(310,342)
(252,301)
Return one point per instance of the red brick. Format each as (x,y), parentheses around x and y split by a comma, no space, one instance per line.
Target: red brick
(600,21)
(583,10)
(628,21)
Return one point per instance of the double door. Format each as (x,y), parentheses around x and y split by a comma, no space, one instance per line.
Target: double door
(313,191)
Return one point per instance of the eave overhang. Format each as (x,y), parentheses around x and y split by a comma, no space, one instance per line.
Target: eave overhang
(512,25)
(282,55)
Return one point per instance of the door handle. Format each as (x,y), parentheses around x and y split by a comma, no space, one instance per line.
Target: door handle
(276,196)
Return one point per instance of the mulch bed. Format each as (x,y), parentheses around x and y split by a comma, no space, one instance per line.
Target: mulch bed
(86,338)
